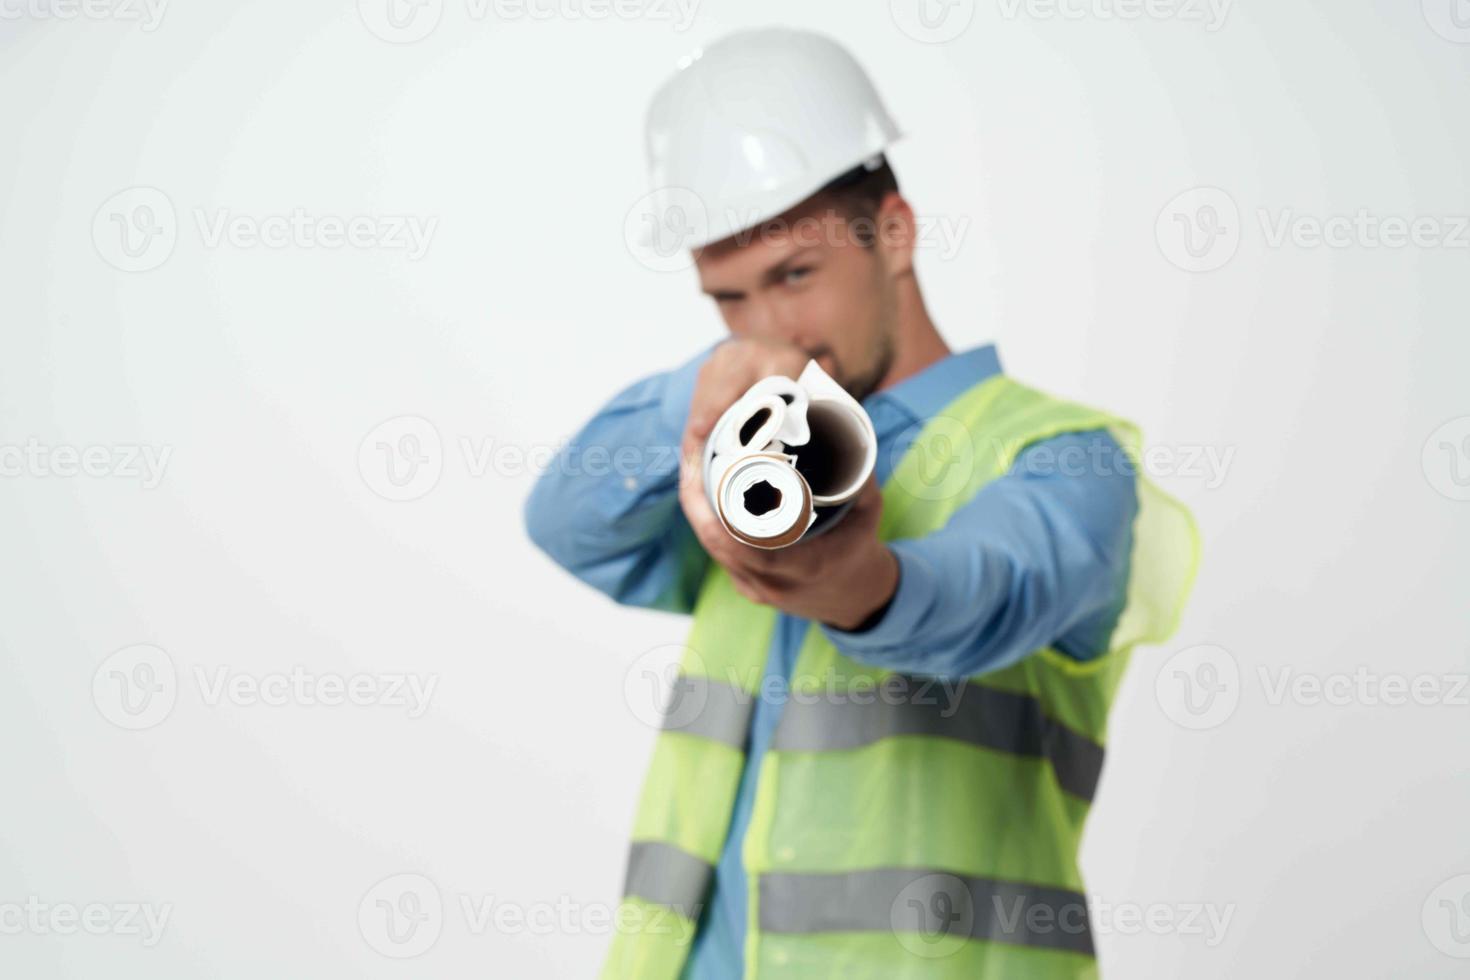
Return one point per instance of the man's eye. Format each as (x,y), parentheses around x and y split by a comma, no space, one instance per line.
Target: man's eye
(795,276)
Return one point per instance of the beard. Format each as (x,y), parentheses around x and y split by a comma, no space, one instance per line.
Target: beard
(879,362)
(857,381)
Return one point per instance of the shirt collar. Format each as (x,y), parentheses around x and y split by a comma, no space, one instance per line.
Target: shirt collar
(923,395)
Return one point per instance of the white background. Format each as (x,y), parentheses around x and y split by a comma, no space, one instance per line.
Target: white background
(1334,541)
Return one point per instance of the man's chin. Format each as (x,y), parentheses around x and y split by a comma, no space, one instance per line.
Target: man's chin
(861,388)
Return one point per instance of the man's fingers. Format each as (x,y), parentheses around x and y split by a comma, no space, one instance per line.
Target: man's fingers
(757,587)
(761,560)
(759,567)
(747,588)
(712,395)
(691,474)
(697,432)
(691,446)
(697,510)
(708,528)
(706,412)
(732,368)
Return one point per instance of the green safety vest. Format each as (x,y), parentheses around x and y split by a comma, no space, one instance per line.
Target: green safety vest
(902,827)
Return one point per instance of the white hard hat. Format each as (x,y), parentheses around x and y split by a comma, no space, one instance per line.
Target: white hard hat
(755,124)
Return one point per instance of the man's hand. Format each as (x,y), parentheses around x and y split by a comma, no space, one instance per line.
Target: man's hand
(839,578)
(731,369)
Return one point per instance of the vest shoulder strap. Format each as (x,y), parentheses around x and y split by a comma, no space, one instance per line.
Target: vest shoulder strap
(973,440)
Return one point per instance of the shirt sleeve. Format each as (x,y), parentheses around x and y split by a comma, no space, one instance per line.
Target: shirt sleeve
(1039,557)
(607,507)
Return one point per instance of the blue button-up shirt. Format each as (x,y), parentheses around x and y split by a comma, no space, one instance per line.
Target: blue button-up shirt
(1037,558)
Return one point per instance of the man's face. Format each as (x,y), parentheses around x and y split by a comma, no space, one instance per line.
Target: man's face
(808,279)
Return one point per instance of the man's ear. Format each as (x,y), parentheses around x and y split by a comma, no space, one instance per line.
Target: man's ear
(897,233)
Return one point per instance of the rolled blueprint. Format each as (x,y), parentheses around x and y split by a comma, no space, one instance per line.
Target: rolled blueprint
(787,459)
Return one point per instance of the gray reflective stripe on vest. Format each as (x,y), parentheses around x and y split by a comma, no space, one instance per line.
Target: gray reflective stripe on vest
(972,713)
(709,709)
(666,875)
(927,905)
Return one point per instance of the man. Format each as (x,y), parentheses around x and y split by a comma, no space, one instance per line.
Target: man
(886,738)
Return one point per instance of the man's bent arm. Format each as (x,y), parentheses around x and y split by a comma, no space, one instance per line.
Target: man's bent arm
(1038,558)
(607,508)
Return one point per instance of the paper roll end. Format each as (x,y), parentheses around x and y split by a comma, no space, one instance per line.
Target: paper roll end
(763,502)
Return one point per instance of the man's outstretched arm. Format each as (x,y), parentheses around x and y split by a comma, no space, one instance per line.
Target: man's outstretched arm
(607,508)
(1038,558)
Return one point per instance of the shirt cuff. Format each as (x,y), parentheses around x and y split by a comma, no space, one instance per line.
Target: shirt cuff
(888,642)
